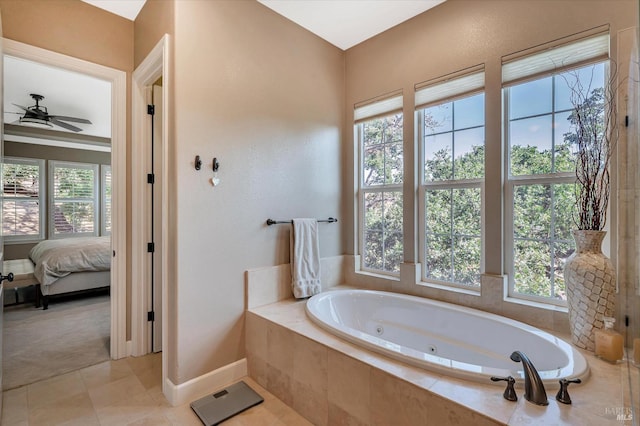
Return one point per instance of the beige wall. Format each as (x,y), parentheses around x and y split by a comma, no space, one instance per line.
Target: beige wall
(70,27)
(154,21)
(26,150)
(266,98)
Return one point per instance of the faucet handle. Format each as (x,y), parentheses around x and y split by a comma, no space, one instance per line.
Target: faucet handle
(509,392)
(563,394)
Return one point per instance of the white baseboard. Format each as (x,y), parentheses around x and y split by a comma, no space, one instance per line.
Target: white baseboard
(207,383)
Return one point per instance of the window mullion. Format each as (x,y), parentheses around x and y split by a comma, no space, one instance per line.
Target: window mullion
(452,237)
(552,243)
(462,183)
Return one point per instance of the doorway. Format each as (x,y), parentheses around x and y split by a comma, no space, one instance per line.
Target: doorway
(117,79)
(145,297)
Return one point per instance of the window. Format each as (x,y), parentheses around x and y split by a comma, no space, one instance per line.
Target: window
(23,204)
(539,114)
(105,185)
(74,202)
(451,131)
(379,135)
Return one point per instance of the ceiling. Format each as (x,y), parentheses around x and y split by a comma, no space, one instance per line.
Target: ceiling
(126,8)
(65,93)
(343,23)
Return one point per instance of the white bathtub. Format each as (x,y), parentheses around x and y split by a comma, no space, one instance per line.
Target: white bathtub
(443,337)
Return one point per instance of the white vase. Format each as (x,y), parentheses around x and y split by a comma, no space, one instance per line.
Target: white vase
(590,281)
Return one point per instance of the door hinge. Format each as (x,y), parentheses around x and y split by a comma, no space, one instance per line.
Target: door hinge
(151,316)
(151,109)
(151,178)
(151,247)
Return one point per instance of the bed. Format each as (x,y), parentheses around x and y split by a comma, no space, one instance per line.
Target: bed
(71,264)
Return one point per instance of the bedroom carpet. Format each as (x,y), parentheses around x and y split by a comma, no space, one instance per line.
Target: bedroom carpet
(70,335)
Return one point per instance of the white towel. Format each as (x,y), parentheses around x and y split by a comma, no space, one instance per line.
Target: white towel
(305,258)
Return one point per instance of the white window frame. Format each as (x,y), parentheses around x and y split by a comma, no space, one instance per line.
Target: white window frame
(541,62)
(15,239)
(441,185)
(449,88)
(386,107)
(511,182)
(104,169)
(53,164)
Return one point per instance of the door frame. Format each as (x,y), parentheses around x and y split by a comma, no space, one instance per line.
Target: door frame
(118,80)
(154,66)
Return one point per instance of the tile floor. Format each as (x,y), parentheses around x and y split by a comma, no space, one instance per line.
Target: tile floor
(123,392)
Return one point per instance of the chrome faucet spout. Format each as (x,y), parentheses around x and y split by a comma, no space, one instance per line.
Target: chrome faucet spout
(533,387)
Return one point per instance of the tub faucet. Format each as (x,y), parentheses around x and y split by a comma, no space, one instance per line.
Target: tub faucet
(533,386)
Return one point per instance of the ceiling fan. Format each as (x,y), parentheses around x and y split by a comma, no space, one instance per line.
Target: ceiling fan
(38,115)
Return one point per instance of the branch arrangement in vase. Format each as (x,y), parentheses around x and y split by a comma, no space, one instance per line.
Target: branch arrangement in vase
(594,136)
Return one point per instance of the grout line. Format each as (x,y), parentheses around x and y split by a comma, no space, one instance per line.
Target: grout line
(629,365)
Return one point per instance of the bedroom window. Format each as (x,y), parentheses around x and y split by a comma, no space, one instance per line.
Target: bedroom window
(379,132)
(105,185)
(74,202)
(23,199)
(450,116)
(539,136)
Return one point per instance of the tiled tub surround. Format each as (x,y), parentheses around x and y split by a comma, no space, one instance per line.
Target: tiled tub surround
(273,283)
(330,382)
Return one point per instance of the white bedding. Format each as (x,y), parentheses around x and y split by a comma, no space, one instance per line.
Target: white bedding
(55,259)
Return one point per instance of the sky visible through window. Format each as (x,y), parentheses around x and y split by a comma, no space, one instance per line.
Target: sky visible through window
(532,122)
(469,114)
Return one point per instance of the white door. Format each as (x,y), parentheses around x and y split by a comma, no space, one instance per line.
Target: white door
(156,141)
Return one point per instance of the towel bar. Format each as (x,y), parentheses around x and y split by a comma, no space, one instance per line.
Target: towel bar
(274,222)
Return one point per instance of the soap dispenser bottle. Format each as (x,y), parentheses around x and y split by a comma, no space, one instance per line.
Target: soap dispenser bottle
(609,345)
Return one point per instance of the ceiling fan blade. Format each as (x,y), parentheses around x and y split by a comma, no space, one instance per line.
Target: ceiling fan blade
(73,119)
(64,125)
(20,106)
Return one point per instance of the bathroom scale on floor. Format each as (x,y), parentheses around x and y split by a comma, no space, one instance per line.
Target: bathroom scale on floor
(222,405)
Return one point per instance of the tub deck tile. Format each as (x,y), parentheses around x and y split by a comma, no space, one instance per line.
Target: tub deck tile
(594,402)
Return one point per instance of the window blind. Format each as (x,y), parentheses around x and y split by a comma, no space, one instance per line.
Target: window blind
(74,202)
(453,85)
(106,200)
(22,188)
(377,108)
(516,68)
